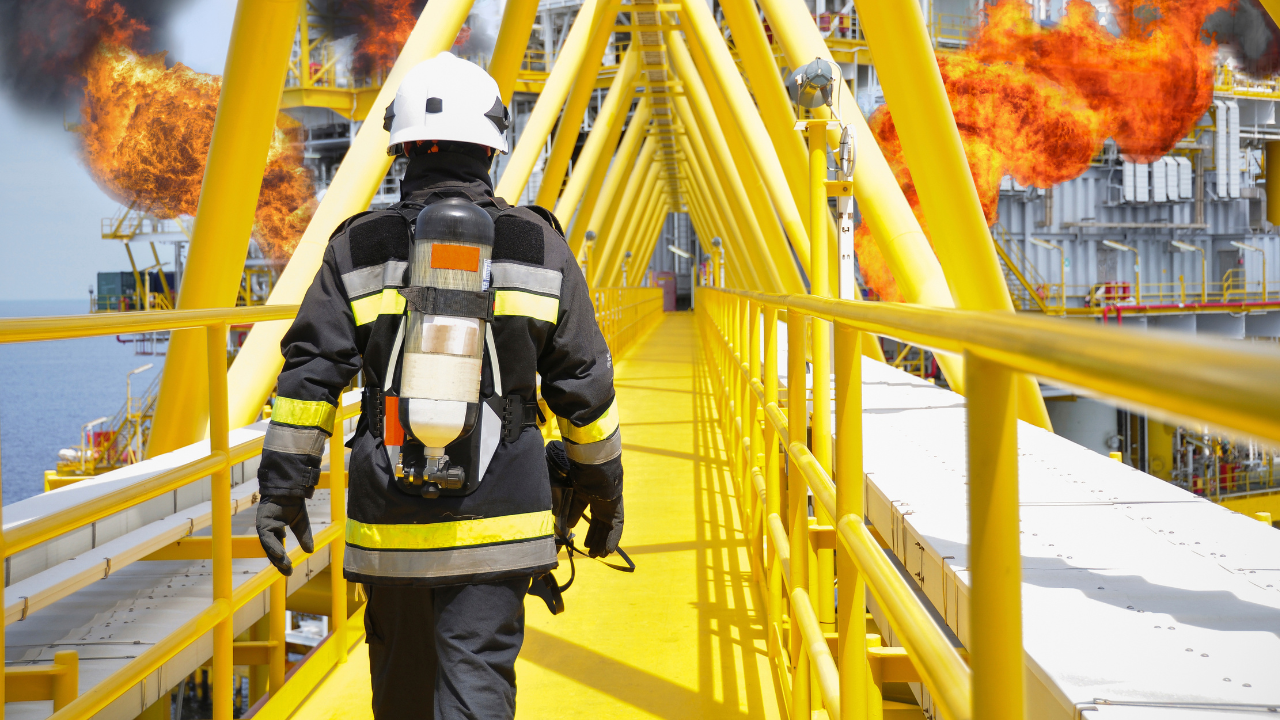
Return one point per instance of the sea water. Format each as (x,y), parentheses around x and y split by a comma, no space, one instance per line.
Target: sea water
(52,388)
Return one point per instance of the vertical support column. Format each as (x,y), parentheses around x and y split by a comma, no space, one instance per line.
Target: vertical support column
(797,503)
(754,413)
(995,561)
(220,496)
(2,624)
(275,633)
(820,286)
(849,502)
(338,516)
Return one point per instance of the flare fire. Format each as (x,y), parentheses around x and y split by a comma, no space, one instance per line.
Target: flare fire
(1037,103)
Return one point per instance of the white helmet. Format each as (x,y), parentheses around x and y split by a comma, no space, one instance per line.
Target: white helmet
(448,98)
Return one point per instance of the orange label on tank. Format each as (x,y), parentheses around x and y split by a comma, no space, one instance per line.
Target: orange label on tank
(455,257)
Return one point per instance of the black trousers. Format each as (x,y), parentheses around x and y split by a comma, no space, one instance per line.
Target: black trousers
(446,653)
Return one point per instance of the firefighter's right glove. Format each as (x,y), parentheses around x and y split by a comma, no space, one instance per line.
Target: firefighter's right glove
(605,529)
(276,513)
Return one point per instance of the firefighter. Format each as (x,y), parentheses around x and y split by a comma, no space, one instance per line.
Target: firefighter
(446,570)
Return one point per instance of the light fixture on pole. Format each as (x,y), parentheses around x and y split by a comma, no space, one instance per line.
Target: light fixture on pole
(693,270)
(1256,249)
(626,256)
(718,272)
(135,447)
(1204,275)
(1062,273)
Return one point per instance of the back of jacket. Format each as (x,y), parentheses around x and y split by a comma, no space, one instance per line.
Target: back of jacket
(544,326)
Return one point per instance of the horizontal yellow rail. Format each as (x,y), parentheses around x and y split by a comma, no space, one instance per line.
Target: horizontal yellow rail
(77,326)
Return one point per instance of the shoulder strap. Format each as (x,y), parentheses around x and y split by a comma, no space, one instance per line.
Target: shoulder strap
(547,215)
(342,226)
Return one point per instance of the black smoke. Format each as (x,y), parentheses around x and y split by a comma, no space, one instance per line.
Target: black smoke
(1252,35)
(45,44)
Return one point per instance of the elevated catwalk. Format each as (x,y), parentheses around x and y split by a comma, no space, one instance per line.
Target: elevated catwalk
(680,638)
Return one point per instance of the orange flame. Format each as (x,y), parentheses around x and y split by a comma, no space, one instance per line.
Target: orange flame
(146,131)
(1038,103)
(386,25)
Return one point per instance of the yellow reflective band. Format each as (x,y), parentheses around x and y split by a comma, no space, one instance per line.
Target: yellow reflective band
(367,309)
(602,428)
(460,533)
(307,413)
(516,302)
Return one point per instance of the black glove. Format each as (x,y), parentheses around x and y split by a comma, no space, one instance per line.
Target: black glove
(274,513)
(605,529)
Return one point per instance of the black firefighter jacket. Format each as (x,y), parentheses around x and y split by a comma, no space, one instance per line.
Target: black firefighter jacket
(544,323)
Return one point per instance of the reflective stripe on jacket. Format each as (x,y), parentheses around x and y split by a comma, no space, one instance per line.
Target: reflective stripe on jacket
(544,325)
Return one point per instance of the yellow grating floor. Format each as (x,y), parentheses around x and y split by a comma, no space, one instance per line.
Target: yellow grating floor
(680,638)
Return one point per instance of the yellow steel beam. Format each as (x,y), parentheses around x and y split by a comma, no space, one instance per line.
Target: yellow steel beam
(884,208)
(243,130)
(647,240)
(608,237)
(631,235)
(592,161)
(599,201)
(771,97)
(571,119)
(736,166)
(623,236)
(513,40)
(520,165)
(723,207)
(723,179)
(931,142)
(254,371)
(736,97)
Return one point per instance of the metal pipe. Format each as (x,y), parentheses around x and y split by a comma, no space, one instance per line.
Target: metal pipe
(849,500)
(592,162)
(254,372)
(568,61)
(338,518)
(243,130)
(571,119)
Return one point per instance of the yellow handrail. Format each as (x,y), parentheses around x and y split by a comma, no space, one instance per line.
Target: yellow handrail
(1227,385)
(216,465)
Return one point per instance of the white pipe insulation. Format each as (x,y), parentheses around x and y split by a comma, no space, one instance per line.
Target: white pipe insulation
(1220,148)
(1233,148)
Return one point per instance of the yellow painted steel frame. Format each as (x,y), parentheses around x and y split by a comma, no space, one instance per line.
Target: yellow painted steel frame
(727,146)
(608,242)
(592,164)
(513,40)
(719,175)
(931,142)
(626,315)
(515,176)
(257,61)
(638,221)
(218,617)
(571,119)
(254,372)
(1227,386)
(597,206)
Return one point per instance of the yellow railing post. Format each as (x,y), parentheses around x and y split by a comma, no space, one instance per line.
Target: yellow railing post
(849,482)
(220,495)
(995,561)
(338,516)
(772,474)
(797,504)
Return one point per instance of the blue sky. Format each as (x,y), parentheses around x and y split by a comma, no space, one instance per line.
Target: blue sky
(50,208)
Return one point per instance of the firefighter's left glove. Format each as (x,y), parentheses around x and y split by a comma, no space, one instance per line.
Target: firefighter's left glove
(605,529)
(276,513)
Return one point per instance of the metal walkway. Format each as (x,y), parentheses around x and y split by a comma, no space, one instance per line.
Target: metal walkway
(683,636)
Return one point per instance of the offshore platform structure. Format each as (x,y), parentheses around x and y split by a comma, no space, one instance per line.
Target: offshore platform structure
(837,538)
